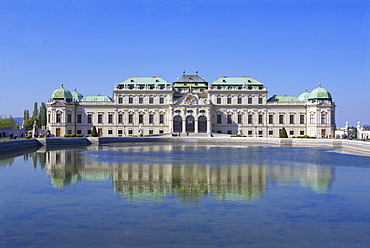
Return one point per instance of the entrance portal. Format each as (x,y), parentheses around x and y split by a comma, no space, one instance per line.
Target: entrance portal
(190,124)
(177,124)
(202,124)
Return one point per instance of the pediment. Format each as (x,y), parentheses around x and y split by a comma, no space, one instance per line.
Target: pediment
(190,99)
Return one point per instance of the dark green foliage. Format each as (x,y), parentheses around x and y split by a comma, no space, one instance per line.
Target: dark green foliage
(73,135)
(35,113)
(7,122)
(283,133)
(42,115)
(80,135)
(67,135)
(94,132)
(26,115)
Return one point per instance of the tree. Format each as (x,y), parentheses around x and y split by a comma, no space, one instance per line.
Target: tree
(42,115)
(94,132)
(35,113)
(7,122)
(283,133)
(26,115)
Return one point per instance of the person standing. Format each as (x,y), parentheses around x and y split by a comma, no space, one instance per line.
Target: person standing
(11,135)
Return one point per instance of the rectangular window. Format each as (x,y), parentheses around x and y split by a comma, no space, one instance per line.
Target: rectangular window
(141,100)
(229,100)
(281,119)
(120,132)
(291,132)
(161,119)
(69,118)
(260,133)
(69,131)
(229,132)
(271,119)
(151,118)
(323,118)
(312,119)
(161,100)
(130,100)
(229,121)
(48,118)
(79,118)
(260,119)
(110,131)
(141,118)
(151,100)
(301,119)
(219,119)
(239,100)
(130,118)
(161,131)
(100,118)
(110,118)
(249,100)
(58,118)
(260,100)
(250,119)
(89,118)
(89,131)
(79,132)
(301,133)
(240,119)
(250,132)
(130,132)
(218,100)
(151,131)
(120,100)
(271,132)
(120,118)
(291,119)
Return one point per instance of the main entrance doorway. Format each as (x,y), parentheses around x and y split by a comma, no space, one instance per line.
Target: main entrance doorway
(202,124)
(190,124)
(177,124)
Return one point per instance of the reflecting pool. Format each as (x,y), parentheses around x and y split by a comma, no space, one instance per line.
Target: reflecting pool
(185,195)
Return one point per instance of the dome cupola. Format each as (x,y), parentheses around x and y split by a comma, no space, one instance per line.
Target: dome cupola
(62,94)
(77,96)
(304,96)
(320,94)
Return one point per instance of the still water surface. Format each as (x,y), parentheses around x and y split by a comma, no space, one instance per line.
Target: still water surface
(185,195)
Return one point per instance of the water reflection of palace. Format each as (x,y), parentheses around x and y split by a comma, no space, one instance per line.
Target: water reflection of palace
(189,182)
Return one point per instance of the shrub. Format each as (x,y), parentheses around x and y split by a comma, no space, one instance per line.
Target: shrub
(283,133)
(86,136)
(73,135)
(29,137)
(237,135)
(67,135)
(80,135)
(94,132)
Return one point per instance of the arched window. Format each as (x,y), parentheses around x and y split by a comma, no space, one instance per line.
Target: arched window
(202,124)
(190,124)
(177,124)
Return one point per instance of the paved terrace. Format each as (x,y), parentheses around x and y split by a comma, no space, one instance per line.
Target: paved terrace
(24,144)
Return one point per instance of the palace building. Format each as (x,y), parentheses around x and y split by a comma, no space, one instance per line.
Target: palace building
(229,105)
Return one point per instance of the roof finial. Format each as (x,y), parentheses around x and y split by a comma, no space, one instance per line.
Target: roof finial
(75,90)
(196,72)
(61,85)
(306,90)
(319,85)
(183,73)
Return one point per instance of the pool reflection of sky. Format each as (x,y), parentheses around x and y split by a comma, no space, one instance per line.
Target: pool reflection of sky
(192,195)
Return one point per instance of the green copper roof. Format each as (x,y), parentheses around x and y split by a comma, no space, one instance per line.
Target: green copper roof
(245,80)
(144,80)
(320,93)
(283,99)
(77,96)
(61,93)
(304,96)
(97,99)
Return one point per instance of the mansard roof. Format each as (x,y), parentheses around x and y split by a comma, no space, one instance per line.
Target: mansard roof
(144,80)
(190,79)
(244,80)
(97,99)
(276,98)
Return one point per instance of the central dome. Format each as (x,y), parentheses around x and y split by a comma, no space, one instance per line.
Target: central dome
(320,94)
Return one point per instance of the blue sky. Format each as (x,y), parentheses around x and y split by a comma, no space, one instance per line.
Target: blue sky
(288,45)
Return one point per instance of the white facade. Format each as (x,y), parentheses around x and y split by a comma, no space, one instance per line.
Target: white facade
(152,106)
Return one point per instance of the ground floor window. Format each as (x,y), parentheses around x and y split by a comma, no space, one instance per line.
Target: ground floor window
(301,132)
(177,124)
(260,133)
(229,131)
(190,124)
(250,132)
(160,130)
(291,133)
(79,132)
(89,131)
(110,131)
(120,131)
(271,132)
(130,132)
(202,124)
(150,131)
